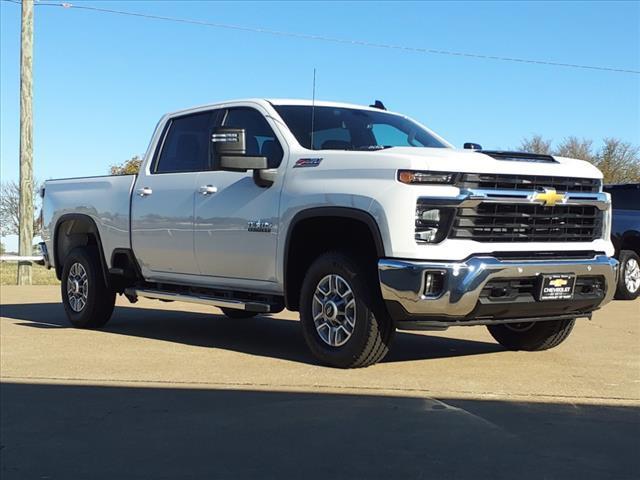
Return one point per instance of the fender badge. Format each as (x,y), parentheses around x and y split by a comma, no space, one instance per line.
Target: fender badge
(308,162)
(259,226)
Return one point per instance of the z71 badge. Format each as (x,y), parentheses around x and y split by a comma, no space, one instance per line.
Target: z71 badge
(307,162)
(259,226)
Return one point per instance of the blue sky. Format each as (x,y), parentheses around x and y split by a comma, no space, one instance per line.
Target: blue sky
(102,81)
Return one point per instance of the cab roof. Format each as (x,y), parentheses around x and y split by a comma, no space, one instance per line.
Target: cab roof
(276,102)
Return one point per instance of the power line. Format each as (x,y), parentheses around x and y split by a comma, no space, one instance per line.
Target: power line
(323,38)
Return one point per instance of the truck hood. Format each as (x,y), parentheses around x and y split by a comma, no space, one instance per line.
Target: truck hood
(456,160)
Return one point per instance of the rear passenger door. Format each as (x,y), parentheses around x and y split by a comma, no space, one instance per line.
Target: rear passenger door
(163,198)
(226,249)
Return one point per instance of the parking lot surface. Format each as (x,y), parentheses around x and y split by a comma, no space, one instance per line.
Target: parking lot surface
(170,390)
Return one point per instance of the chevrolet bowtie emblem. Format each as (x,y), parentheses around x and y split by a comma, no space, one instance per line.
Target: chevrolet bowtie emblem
(549,197)
(558,282)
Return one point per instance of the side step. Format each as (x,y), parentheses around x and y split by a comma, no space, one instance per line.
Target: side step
(201,299)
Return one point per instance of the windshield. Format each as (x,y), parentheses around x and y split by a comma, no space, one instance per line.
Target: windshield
(336,128)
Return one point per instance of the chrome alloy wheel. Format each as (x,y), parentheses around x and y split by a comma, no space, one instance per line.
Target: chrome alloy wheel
(77,287)
(334,310)
(632,275)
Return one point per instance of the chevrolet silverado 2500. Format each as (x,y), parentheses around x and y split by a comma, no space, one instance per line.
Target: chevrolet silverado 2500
(362,220)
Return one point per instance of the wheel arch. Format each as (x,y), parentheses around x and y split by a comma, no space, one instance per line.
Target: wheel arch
(76,230)
(630,240)
(358,219)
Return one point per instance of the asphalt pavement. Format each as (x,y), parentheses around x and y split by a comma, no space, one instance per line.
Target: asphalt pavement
(171,390)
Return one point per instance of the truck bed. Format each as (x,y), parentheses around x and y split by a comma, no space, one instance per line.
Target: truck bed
(105,199)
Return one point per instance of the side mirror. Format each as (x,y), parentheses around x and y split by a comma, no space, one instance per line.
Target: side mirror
(265,178)
(231,150)
(472,146)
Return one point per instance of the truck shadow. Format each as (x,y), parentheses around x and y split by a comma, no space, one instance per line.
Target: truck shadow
(110,432)
(267,336)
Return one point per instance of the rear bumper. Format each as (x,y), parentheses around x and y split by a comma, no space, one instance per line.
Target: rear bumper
(461,301)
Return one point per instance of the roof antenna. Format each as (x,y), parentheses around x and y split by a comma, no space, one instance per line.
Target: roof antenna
(313,105)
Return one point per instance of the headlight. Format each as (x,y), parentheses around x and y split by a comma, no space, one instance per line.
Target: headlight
(432,223)
(414,177)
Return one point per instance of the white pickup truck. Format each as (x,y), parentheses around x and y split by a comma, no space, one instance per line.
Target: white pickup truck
(362,220)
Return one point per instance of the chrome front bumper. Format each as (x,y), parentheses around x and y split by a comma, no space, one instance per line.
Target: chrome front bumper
(403,281)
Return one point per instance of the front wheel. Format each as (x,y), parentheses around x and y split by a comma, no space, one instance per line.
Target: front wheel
(629,278)
(532,336)
(87,300)
(343,319)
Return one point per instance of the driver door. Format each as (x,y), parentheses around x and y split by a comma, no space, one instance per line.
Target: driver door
(228,245)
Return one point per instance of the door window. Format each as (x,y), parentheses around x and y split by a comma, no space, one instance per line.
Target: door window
(331,138)
(259,137)
(186,144)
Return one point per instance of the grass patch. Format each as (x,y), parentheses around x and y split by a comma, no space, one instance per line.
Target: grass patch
(39,275)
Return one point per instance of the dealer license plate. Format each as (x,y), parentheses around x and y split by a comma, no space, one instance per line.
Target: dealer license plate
(558,286)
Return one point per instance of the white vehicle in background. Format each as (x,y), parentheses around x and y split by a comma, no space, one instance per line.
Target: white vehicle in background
(362,220)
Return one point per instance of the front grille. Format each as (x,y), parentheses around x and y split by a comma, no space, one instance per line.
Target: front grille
(547,255)
(527,182)
(500,222)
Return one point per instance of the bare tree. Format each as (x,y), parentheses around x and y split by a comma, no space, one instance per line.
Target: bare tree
(129,167)
(536,144)
(574,147)
(619,161)
(10,209)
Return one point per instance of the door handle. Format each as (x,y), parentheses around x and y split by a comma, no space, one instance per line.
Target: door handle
(145,191)
(208,190)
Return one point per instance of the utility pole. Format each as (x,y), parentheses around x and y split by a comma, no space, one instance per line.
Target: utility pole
(25,246)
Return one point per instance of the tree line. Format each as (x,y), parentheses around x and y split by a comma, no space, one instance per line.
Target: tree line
(619,161)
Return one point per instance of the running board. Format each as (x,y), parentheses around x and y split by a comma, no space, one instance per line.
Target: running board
(201,299)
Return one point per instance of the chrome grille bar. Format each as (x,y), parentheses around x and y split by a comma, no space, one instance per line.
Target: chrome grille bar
(492,181)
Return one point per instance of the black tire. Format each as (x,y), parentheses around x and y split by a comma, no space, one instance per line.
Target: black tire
(532,336)
(233,313)
(629,262)
(100,299)
(372,330)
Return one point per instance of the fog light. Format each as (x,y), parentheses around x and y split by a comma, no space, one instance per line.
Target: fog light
(428,235)
(433,283)
(432,223)
(432,215)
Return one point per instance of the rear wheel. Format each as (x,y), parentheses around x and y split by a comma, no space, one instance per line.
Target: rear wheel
(532,336)
(629,278)
(87,300)
(233,313)
(343,319)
